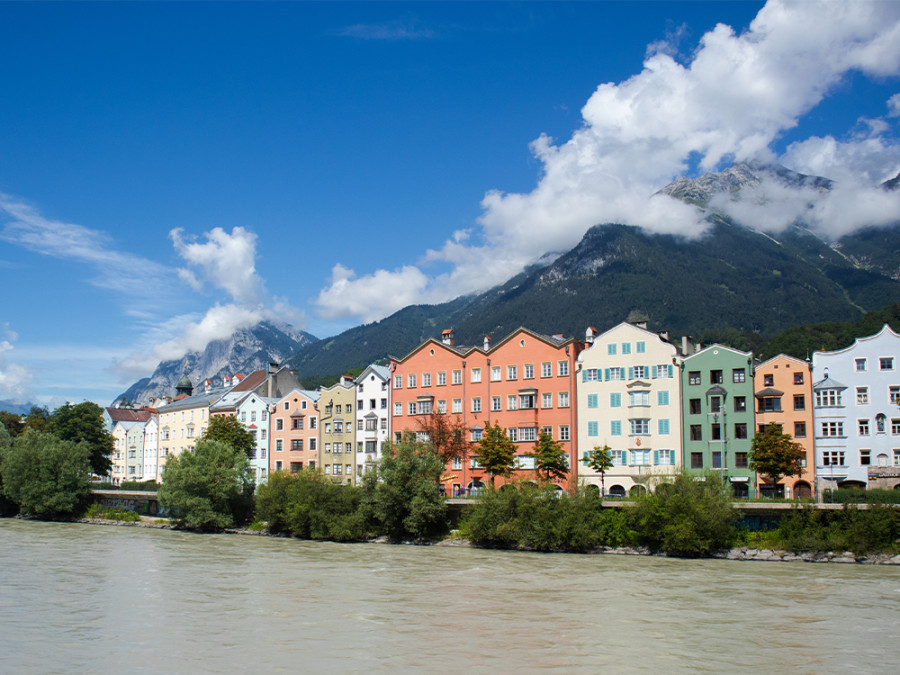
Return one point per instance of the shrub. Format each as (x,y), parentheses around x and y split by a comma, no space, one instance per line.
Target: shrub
(97,512)
(142,486)
(691,516)
(859,496)
(867,531)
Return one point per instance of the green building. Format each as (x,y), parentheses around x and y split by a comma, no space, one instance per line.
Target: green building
(717,410)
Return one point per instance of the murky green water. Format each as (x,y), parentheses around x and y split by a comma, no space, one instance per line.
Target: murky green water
(84,598)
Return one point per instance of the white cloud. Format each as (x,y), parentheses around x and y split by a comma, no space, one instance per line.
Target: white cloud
(728,102)
(399,29)
(894,106)
(15,379)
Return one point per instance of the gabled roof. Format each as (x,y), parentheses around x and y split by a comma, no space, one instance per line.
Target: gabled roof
(129,414)
(253,380)
(463,350)
(828,383)
(885,329)
(382,372)
(748,355)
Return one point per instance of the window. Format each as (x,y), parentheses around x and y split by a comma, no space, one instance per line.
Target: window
(895,426)
(618,457)
(457,377)
(715,404)
(615,428)
(371,424)
(398,382)
(740,430)
(832,429)
(548,431)
(590,375)
(737,375)
(529,371)
(768,380)
(740,460)
(512,372)
(563,369)
(339,448)
(546,369)
(312,422)
(398,409)
(860,365)
(833,458)
(297,445)
(476,374)
(297,423)
(615,374)
(593,428)
(886,363)
(640,457)
(426,379)
(564,432)
(896,456)
(640,427)
(799,429)
(546,400)
(663,426)
(457,405)
(615,400)
(592,400)
(411,380)
(717,460)
(715,432)
(411,408)
(828,398)
(798,378)
(563,399)
(640,347)
(863,427)
(279,424)
(769,404)
(715,377)
(338,469)
(862,395)
(661,371)
(528,434)
(495,373)
(626,348)
(662,398)
(694,406)
(894,395)
(611,349)
(337,409)
(476,404)
(694,377)
(476,434)
(512,402)
(799,402)
(456,464)
(664,457)
(495,403)
(279,445)
(638,398)
(696,432)
(740,404)
(696,460)
(865,457)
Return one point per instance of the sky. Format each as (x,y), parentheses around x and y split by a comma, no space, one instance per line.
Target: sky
(171,172)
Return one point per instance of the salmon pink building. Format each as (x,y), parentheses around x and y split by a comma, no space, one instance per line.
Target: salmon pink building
(525,383)
(783,392)
(294,432)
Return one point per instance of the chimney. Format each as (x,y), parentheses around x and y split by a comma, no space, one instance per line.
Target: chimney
(487,342)
(447,337)
(589,335)
(684,345)
(270,377)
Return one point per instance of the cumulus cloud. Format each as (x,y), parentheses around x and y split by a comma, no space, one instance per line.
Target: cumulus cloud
(728,101)
(15,379)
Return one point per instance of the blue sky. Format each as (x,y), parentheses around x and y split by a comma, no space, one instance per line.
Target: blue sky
(169,171)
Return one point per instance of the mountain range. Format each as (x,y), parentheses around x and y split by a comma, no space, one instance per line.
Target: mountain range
(736,283)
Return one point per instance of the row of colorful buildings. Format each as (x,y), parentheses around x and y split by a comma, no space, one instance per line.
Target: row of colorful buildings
(657,405)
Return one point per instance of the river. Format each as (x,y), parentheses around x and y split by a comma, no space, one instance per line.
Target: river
(92,598)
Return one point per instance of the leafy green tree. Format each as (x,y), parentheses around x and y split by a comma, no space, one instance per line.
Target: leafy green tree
(774,454)
(6,506)
(686,517)
(12,422)
(228,429)
(45,475)
(38,418)
(447,434)
(209,487)
(600,460)
(495,452)
(551,461)
(404,491)
(83,422)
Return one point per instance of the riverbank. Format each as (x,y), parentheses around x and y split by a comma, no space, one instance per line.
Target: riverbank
(738,553)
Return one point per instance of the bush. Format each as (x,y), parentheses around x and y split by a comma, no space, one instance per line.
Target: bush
(686,517)
(46,476)
(310,506)
(860,496)
(535,518)
(98,512)
(141,486)
(873,530)
(209,487)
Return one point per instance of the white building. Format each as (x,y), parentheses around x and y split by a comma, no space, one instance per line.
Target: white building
(373,406)
(856,409)
(151,449)
(253,413)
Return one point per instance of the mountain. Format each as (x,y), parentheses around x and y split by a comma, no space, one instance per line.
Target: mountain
(244,352)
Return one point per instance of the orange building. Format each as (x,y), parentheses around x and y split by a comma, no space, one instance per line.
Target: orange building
(294,432)
(783,390)
(525,383)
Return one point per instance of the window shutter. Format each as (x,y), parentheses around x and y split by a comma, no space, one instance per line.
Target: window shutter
(669,368)
(653,372)
(606,374)
(672,457)
(630,372)
(656,457)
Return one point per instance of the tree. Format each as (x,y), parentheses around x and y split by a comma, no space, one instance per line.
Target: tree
(774,454)
(228,429)
(12,422)
(600,460)
(83,422)
(37,418)
(6,506)
(46,476)
(550,459)
(447,434)
(209,487)
(404,496)
(496,453)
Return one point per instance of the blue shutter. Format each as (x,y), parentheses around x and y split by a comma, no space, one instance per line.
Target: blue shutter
(669,368)
(672,457)
(656,457)
(606,375)
(630,372)
(653,372)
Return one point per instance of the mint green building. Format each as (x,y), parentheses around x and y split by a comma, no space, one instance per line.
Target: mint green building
(717,414)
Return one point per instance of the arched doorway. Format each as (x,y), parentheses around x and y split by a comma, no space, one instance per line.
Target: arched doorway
(616,491)
(592,489)
(475,488)
(637,490)
(852,484)
(802,490)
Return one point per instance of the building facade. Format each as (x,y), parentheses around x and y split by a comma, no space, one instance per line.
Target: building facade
(294,432)
(717,410)
(629,400)
(337,431)
(373,416)
(857,412)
